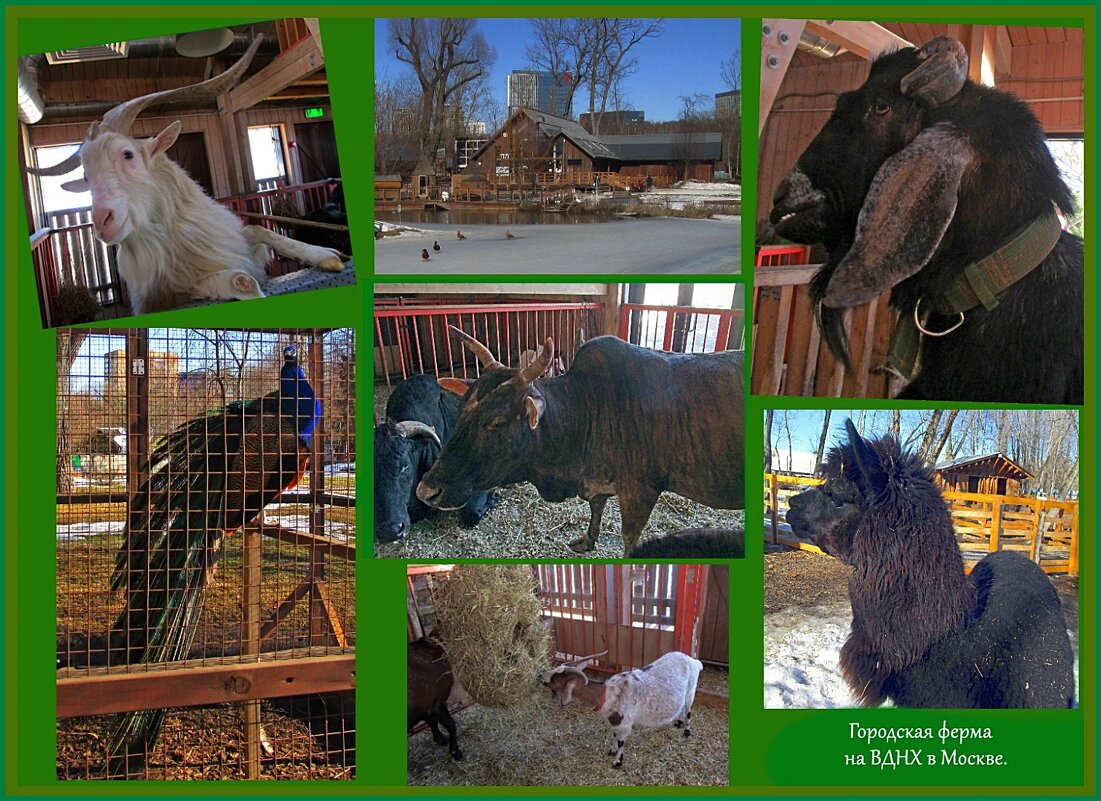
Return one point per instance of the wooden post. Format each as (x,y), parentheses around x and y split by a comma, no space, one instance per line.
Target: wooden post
(773,488)
(995,523)
(250,639)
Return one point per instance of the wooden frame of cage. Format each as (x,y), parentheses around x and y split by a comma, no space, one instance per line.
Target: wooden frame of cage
(252,675)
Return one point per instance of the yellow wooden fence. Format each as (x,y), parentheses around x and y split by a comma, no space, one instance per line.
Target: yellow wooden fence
(983,524)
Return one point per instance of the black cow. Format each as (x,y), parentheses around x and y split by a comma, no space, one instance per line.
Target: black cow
(419,417)
(623,421)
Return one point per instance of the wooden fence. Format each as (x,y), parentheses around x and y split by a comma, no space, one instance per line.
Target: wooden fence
(984,523)
(790,356)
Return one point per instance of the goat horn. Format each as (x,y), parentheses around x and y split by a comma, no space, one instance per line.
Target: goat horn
(121,117)
(941,74)
(540,365)
(415,428)
(485,356)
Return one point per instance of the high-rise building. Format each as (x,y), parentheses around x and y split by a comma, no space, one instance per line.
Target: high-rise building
(728,102)
(538,89)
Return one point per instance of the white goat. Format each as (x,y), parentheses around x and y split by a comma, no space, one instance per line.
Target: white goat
(657,695)
(175,244)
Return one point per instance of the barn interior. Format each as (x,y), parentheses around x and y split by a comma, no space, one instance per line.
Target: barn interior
(266,148)
(634,612)
(805,64)
(411,337)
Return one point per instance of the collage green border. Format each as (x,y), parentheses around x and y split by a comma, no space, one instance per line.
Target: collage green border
(764,745)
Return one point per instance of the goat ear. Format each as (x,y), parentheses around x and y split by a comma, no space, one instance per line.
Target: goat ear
(909,206)
(165,139)
(458,386)
(941,74)
(79,185)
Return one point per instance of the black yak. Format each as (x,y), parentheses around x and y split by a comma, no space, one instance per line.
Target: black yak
(944,191)
(925,634)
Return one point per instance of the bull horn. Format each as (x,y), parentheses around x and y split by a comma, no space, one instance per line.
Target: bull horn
(941,74)
(485,356)
(121,118)
(541,363)
(415,428)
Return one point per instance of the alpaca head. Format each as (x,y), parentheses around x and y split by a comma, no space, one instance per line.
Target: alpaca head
(874,493)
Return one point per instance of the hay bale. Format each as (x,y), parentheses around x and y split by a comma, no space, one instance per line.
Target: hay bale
(490,628)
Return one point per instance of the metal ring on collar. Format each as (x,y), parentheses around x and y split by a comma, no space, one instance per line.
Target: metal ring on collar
(926,331)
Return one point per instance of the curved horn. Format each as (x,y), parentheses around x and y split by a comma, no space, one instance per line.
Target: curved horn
(120,118)
(540,365)
(415,428)
(485,356)
(941,74)
(547,675)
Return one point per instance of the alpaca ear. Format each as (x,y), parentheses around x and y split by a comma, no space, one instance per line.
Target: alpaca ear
(909,206)
(864,458)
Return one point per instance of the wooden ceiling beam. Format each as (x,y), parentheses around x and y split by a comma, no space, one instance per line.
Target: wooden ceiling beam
(301,61)
(865,39)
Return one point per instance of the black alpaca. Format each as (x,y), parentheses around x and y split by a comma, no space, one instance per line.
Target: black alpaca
(925,634)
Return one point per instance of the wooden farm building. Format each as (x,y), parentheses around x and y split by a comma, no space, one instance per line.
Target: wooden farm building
(988,474)
(283,98)
(805,65)
(536,147)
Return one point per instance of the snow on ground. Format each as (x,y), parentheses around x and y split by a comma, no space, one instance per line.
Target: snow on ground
(79,531)
(650,245)
(802,650)
(689,193)
(335,531)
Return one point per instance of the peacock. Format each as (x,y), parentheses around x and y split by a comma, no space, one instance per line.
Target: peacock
(207,479)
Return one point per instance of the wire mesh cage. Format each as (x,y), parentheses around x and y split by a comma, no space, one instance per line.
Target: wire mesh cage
(205,553)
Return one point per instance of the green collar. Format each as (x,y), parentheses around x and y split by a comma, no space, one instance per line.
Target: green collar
(978,284)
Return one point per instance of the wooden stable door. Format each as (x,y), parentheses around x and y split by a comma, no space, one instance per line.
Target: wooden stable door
(635,612)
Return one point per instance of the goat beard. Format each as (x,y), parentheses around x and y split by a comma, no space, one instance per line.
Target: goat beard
(830,321)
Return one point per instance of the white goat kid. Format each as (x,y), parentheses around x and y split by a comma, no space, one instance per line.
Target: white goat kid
(175,244)
(657,695)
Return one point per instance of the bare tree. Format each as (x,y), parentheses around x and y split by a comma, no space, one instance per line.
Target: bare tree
(689,127)
(768,440)
(729,115)
(820,453)
(615,38)
(447,56)
(69,342)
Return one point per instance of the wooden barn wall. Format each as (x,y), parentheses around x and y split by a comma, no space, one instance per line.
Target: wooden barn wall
(803,104)
(1052,72)
(47,134)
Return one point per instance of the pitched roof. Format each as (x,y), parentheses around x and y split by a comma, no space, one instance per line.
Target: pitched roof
(667,146)
(955,464)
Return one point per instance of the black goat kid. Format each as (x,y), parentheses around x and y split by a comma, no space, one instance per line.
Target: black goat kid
(925,634)
(943,190)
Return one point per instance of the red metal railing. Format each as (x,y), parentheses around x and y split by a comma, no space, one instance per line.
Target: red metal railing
(67,251)
(782,255)
(415,338)
(681,329)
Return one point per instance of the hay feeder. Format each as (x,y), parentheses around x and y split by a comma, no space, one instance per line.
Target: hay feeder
(491,629)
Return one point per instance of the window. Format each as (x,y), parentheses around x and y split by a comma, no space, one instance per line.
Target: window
(567,591)
(54,198)
(268,154)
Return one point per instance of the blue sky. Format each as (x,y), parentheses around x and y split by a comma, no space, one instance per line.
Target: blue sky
(684,60)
